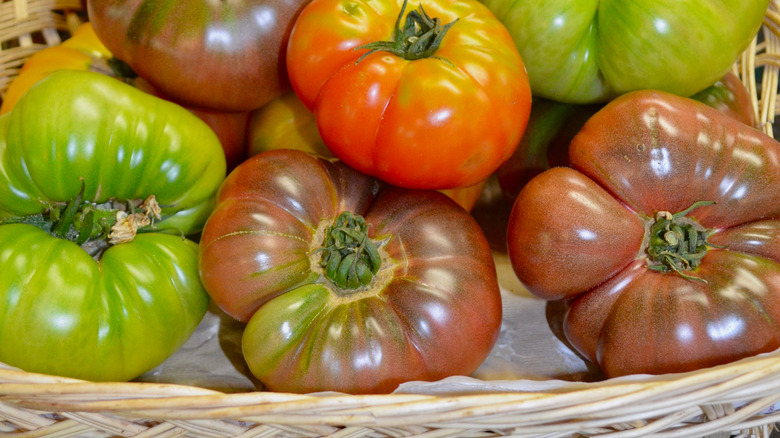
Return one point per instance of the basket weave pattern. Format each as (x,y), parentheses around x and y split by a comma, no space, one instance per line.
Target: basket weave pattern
(27,26)
(743,396)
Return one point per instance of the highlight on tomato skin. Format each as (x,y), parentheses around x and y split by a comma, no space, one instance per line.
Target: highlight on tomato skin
(98,197)
(223,56)
(84,51)
(730,96)
(589,52)
(659,237)
(552,125)
(425,116)
(286,123)
(346,283)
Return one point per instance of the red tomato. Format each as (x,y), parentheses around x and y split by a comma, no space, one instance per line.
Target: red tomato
(226,56)
(285,123)
(441,107)
(662,237)
(402,288)
(552,125)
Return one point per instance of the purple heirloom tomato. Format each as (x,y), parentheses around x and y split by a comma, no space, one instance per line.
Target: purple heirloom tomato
(223,55)
(348,284)
(661,237)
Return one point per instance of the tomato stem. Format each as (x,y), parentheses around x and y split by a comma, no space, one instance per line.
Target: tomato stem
(677,243)
(419,38)
(350,258)
(84,222)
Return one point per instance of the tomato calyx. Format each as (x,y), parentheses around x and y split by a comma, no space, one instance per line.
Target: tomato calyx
(420,37)
(93,226)
(350,259)
(127,224)
(678,243)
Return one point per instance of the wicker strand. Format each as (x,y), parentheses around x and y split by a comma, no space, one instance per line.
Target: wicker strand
(27,26)
(743,397)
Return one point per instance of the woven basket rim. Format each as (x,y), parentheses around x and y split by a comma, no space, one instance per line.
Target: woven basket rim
(725,397)
(742,395)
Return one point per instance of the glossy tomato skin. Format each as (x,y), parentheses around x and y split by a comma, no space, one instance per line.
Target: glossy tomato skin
(439,122)
(286,123)
(217,55)
(729,96)
(591,252)
(433,310)
(230,126)
(580,234)
(115,315)
(42,160)
(552,125)
(65,314)
(589,51)
(83,51)
(545,143)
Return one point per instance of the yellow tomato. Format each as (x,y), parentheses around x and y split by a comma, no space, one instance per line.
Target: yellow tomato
(82,51)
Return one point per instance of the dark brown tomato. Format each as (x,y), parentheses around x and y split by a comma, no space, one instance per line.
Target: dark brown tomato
(225,55)
(348,284)
(700,286)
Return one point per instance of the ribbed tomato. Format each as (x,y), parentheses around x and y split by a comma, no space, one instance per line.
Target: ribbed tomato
(661,237)
(348,284)
(220,55)
(99,185)
(433,96)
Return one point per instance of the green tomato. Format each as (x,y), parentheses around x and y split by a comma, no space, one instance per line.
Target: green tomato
(590,51)
(124,143)
(64,313)
(82,295)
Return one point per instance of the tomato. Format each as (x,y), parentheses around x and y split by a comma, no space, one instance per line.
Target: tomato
(84,51)
(466,197)
(545,143)
(440,113)
(729,96)
(589,51)
(226,56)
(285,123)
(347,284)
(99,182)
(661,237)
(552,126)
(230,126)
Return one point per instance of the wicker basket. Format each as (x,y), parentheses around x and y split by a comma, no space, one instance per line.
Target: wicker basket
(741,398)
(27,26)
